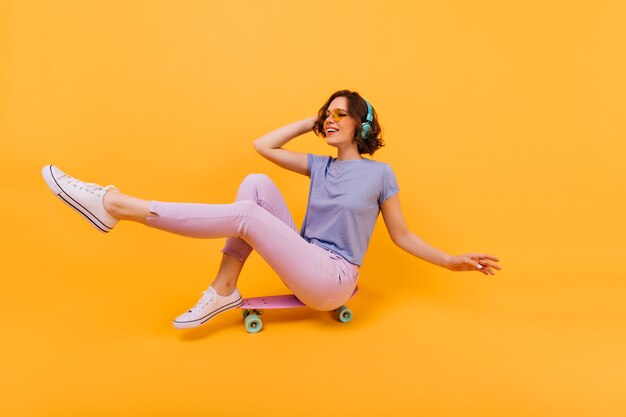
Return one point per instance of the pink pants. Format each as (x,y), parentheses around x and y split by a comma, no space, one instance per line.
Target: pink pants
(259,220)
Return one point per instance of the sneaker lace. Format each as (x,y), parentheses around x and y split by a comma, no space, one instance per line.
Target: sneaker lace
(90,186)
(208,298)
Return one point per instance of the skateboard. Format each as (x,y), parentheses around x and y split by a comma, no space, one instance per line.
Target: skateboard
(253,309)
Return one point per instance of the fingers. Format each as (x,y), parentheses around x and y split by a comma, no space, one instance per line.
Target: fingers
(481,262)
(493,258)
(485,259)
(486,263)
(488,271)
(485,270)
(482,265)
(473,264)
(483,256)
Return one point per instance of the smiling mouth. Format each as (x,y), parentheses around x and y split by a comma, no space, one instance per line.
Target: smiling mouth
(331,131)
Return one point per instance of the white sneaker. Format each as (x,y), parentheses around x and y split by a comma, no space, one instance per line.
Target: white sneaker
(210,305)
(85,198)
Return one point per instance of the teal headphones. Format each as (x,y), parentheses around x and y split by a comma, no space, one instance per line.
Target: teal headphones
(367,125)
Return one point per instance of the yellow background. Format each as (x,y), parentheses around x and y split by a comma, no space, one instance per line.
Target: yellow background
(504,124)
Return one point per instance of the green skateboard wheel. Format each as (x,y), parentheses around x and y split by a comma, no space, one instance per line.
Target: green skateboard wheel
(253,323)
(344,314)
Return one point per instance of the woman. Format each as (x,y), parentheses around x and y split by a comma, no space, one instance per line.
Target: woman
(321,264)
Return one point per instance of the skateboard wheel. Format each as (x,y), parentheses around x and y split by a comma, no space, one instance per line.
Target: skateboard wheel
(246,313)
(344,314)
(253,323)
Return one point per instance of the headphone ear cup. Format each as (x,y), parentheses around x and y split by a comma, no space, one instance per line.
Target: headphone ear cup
(366,128)
(367,125)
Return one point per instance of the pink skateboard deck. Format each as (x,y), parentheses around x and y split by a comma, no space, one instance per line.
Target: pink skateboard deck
(271,302)
(253,309)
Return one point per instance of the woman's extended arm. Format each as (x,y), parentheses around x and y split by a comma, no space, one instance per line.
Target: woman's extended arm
(270,145)
(405,239)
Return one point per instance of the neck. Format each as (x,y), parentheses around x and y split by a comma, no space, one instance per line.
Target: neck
(348,153)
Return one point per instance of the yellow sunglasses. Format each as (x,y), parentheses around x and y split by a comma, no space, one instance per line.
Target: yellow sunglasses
(336,114)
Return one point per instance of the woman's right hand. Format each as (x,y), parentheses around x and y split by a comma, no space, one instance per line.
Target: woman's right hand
(270,145)
(480,262)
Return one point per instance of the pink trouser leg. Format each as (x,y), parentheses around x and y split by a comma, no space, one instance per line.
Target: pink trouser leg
(320,279)
(262,190)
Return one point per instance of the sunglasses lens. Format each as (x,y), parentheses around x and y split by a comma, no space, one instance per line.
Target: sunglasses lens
(338,114)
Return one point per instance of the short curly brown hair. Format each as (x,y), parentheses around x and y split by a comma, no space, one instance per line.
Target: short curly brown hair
(357,108)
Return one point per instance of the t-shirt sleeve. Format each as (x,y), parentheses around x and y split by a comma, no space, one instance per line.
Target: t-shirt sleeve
(389,185)
(313,162)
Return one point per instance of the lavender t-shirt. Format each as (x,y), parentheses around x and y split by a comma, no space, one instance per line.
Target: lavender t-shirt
(344,202)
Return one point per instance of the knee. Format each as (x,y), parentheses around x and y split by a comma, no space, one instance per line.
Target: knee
(245,207)
(256,179)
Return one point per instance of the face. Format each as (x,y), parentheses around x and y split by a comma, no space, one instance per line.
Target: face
(339,126)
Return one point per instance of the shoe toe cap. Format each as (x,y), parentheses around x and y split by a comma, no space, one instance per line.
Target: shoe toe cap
(52,171)
(187,317)
(51,175)
(186,320)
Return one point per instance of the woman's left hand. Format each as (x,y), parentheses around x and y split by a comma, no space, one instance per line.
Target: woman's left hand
(474,262)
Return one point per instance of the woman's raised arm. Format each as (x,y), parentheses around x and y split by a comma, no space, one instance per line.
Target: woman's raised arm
(270,145)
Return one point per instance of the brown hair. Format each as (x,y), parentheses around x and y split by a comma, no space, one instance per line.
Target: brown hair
(357,108)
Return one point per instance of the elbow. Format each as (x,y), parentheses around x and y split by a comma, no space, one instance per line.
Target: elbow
(399,238)
(257,146)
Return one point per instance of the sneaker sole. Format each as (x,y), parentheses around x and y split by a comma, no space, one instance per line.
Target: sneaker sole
(202,320)
(57,190)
